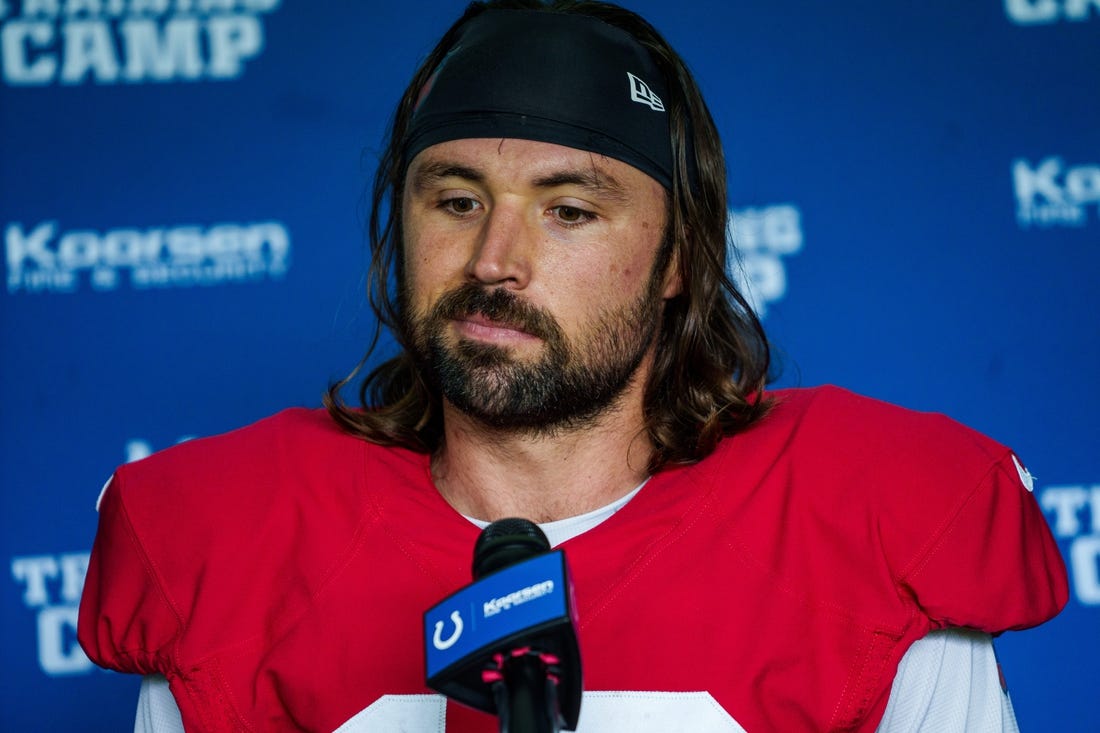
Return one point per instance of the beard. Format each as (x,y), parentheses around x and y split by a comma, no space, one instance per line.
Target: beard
(567,386)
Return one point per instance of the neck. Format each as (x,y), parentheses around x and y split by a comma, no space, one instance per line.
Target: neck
(489,473)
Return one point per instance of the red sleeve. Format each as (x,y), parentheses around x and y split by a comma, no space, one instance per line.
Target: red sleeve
(126,621)
(934,508)
(208,545)
(992,564)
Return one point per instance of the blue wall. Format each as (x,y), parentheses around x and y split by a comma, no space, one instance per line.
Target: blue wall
(916,188)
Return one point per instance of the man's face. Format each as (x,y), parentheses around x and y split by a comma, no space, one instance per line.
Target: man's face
(531,289)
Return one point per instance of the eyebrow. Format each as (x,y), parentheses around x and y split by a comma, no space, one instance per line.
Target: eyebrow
(435,171)
(591,180)
(601,184)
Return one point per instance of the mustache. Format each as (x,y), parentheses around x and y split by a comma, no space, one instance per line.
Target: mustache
(498,305)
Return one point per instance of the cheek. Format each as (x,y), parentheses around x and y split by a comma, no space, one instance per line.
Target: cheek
(415,248)
(419,279)
(434,252)
(608,271)
(599,287)
(626,275)
(623,272)
(426,263)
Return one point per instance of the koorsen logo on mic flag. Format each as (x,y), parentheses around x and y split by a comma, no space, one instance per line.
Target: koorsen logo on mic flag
(520,598)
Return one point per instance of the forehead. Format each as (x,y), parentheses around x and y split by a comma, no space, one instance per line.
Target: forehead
(527,162)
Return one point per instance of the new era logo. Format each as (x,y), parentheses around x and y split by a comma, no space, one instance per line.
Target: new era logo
(641,93)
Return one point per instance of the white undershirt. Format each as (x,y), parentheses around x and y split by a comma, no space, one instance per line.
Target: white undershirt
(561,530)
(947,682)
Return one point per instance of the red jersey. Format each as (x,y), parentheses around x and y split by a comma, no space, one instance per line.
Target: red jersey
(276,575)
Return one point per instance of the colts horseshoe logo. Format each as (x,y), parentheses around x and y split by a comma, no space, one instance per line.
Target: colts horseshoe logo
(437,638)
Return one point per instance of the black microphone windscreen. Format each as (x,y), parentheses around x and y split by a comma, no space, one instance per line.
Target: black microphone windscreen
(506,542)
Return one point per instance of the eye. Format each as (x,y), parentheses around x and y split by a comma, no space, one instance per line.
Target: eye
(572,215)
(460,205)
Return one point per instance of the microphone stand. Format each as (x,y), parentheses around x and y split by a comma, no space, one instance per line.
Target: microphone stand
(526,696)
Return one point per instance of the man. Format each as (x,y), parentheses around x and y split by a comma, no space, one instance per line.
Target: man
(574,354)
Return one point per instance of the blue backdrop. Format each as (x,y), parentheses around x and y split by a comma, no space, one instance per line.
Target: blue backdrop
(915,188)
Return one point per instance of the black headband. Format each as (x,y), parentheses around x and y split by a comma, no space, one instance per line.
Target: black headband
(567,79)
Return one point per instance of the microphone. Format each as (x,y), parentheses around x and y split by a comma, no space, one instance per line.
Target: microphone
(507,643)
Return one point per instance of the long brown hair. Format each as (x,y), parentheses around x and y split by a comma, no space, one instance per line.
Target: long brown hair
(712,356)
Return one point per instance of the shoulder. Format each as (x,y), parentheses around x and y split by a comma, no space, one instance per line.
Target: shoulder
(859,437)
(283,474)
(943,512)
(266,511)
(289,433)
(902,469)
(833,414)
(242,471)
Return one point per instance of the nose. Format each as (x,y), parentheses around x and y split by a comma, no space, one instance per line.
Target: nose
(502,250)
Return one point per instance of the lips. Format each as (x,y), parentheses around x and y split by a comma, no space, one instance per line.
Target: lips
(493,315)
(482,328)
(481,320)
